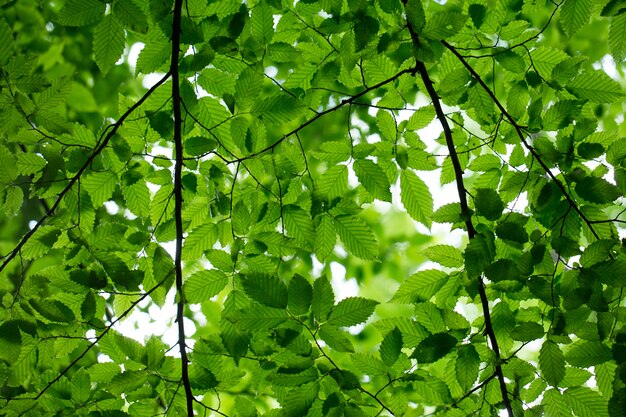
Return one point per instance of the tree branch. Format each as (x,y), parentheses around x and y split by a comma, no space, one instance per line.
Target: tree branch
(178,204)
(104,142)
(522,136)
(465,212)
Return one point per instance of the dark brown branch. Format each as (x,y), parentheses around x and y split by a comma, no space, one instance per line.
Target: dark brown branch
(465,213)
(520,133)
(178,205)
(104,141)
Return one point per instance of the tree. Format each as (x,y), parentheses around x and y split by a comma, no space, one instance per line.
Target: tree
(272,128)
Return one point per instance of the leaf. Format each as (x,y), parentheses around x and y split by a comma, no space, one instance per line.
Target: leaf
(262,23)
(6,42)
(488,204)
(323,298)
(421,118)
(368,364)
(299,225)
(356,236)
(100,186)
(434,347)
(300,295)
(137,197)
(596,86)
(29,163)
(551,363)
(266,289)
(200,239)
(131,15)
(391,347)
(584,354)
(325,238)
(108,42)
(333,183)
(466,366)
(554,404)
(420,286)
(415,15)
(479,253)
(445,255)
(617,37)
(203,285)
(416,197)
(596,252)
(597,190)
(585,402)
(351,311)
(575,14)
(373,178)
(335,338)
(248,87)
(81,12)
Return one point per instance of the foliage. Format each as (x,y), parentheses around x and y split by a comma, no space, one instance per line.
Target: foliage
(262,160)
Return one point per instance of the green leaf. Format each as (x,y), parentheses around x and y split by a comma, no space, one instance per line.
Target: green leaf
(488,204)
(266,289)
(300,295)
(108,42)
(351,311)
(554,404)
(584,354)
(434,347)
(445,255)
(200,239)
(29,163)
(259,316)
(597,190)
(479,253)
(100,186)
(368,364)
(137,197)
(333,183)
(617,37)
(6,42)
(420,286)
(333,152)
(203,285)
(325,238)
(415,15)
(248,87)
(323,298)
(373,178)
(596,252)
(335,338)
(596,86)
(585,402)
(466,366)
(416,197)
(356,236)
(262,23)
(391,347)
(81,12)
(575,14)
(131,15)
(551,363)
(527,331)
(299,225)
(421,118)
